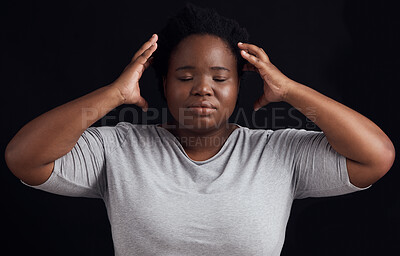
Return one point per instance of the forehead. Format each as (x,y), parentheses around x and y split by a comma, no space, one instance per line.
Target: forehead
(203,50)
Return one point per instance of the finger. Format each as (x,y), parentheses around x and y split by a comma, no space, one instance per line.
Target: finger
(142,103)
(146,46)
(260,102)
(254,50)
(141,62)
(138,67)
(142,59)
(148,62)
(249,67)
(255,61)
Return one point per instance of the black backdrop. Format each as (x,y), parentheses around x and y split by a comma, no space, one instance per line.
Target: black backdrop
(55,52)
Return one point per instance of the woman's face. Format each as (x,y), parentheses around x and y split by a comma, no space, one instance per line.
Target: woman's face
(202,71)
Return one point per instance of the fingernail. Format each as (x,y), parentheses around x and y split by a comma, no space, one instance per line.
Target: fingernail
(244,52)
(240,43)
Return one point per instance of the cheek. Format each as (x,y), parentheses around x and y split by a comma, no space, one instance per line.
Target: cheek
(175,94)
(229,94)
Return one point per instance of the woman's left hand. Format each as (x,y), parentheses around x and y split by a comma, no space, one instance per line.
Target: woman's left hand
(276,84)
(369,152)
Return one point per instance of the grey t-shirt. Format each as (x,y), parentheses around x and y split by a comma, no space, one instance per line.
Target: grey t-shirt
(161,202)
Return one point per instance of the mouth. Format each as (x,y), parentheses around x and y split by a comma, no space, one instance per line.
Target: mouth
(202,110)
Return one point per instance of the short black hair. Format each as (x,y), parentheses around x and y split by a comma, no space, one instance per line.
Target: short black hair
(192,20)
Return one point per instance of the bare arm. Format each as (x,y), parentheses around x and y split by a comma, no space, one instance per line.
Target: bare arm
(369,152)
(31,153)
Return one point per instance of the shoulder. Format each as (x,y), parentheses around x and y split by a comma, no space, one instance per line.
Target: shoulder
(252,137)
(254,132)
(124,128)
(291,135)
(115,136)
(280,134)
(283,139)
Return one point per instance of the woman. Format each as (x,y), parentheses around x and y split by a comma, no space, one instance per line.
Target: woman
(198,184)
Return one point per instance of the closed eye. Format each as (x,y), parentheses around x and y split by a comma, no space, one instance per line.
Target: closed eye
(183,79)
(219,79)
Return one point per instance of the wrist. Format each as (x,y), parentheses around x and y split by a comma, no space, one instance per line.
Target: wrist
(116,93)
(290,90)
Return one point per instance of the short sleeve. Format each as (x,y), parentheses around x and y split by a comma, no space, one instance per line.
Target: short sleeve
(317,169)
(82,171)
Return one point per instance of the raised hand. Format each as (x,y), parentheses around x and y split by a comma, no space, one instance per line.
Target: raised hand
(128,82)
(276,84)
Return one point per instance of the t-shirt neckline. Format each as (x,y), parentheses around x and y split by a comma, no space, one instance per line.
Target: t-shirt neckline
(207,160)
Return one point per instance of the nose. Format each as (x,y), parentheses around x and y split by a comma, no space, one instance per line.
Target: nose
(202,88)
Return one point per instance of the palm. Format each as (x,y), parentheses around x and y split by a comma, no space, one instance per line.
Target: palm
(276,84)
(268,93)
(128,82)
(272,78)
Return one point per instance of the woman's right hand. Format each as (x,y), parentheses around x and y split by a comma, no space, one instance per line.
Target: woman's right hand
(128,82)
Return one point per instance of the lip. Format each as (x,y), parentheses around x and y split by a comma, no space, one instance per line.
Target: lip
(202,111)
(202,104)
(202,108)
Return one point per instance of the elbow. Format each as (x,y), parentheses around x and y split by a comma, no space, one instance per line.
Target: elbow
(381,160)
(390,157)
(385,158)
(22,168)
(10,158)
(14,160)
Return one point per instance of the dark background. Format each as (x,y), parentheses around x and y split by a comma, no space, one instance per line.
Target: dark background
(55,52)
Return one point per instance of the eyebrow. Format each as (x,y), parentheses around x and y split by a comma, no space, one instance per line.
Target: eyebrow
(191,67)
(219,68)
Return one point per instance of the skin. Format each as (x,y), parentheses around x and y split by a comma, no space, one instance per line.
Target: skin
(202,67)
(30,155)
(369,152)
